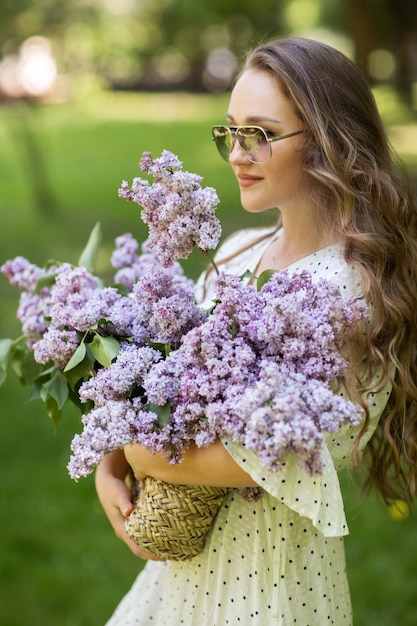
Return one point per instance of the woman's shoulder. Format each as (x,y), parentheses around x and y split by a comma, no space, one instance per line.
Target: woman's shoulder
(330,264)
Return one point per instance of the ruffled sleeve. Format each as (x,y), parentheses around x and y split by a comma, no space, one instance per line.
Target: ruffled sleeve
(318,498)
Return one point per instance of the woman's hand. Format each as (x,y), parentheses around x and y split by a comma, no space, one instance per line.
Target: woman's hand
(116,498)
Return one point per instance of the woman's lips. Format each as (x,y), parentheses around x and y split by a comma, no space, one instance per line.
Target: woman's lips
(247,180)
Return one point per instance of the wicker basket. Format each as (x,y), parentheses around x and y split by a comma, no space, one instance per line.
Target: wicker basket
(172,521)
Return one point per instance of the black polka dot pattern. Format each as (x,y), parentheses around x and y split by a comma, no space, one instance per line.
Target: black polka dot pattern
(275,562)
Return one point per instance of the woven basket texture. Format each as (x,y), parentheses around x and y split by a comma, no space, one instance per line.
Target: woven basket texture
(172,521)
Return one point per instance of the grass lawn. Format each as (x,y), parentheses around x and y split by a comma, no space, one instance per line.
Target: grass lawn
(60,563)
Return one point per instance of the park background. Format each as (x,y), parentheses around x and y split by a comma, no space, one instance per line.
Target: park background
(85,87)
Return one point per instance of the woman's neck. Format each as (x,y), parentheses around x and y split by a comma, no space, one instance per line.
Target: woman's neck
(298,237)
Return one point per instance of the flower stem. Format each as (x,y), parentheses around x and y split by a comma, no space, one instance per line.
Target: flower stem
(212,261)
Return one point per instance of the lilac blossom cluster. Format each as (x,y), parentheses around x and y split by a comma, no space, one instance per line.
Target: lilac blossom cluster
(34,304)
(178,211)
(157,303)
(258,370)
(116,394)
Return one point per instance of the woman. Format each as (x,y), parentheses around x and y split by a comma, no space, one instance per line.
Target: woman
(304,136)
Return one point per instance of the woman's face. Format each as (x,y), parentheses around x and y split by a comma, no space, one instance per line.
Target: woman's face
(258,100)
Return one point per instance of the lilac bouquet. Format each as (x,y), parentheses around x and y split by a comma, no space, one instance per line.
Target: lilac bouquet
(256,370)
(146,364)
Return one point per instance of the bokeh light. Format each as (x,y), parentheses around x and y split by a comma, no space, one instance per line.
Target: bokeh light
(31,72)
(221,65)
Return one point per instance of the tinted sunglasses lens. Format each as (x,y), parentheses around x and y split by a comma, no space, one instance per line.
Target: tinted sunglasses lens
(254,144)
(223,140)
(252,141)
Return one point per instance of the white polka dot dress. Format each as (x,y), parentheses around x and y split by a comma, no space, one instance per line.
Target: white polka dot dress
(275,562)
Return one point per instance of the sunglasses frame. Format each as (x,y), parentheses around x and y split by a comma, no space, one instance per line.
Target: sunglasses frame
(233,132)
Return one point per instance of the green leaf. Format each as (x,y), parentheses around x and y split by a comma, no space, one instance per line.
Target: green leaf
(5,347)
(247,274)
(163,348)
(89,255)
(82,407)
(78,373)
(35,392)
(40,391)
(121,289)
(5,350)
(46,374)
(77,357)
(104,349)
(16,354)
(53,410)
(29,368)
(57,387)
(211,308)
(22,361)
(39,382)
(47,280)
(162,412)
(263,278)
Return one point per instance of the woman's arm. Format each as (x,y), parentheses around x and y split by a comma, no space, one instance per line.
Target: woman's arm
(211,465)
(115,498)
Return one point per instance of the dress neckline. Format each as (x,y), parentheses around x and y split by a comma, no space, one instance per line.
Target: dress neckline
(276,233)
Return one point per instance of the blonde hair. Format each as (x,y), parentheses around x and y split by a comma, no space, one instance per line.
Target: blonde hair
(364,195)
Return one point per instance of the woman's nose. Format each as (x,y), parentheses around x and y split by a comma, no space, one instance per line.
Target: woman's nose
(237,154)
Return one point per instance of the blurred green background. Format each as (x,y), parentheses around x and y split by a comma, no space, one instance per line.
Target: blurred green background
(63,154)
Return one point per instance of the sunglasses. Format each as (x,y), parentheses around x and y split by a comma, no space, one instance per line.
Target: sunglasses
(253,141)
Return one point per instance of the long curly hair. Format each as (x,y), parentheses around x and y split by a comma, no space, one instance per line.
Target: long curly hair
(364,195)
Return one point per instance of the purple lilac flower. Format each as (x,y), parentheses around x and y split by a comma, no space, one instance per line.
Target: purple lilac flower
(306,324)
(76,303)
(301,323)
(125,253)
(195,379)
(56,345)
(124,375)
(287,413)
(33,312)
(229,376)
(106,428)
(123,320)
(21,273)
(129,264)
(34,307)
(160,308)
(168,440)
(166,305)
(73,288)
(178,211)
(207,362)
